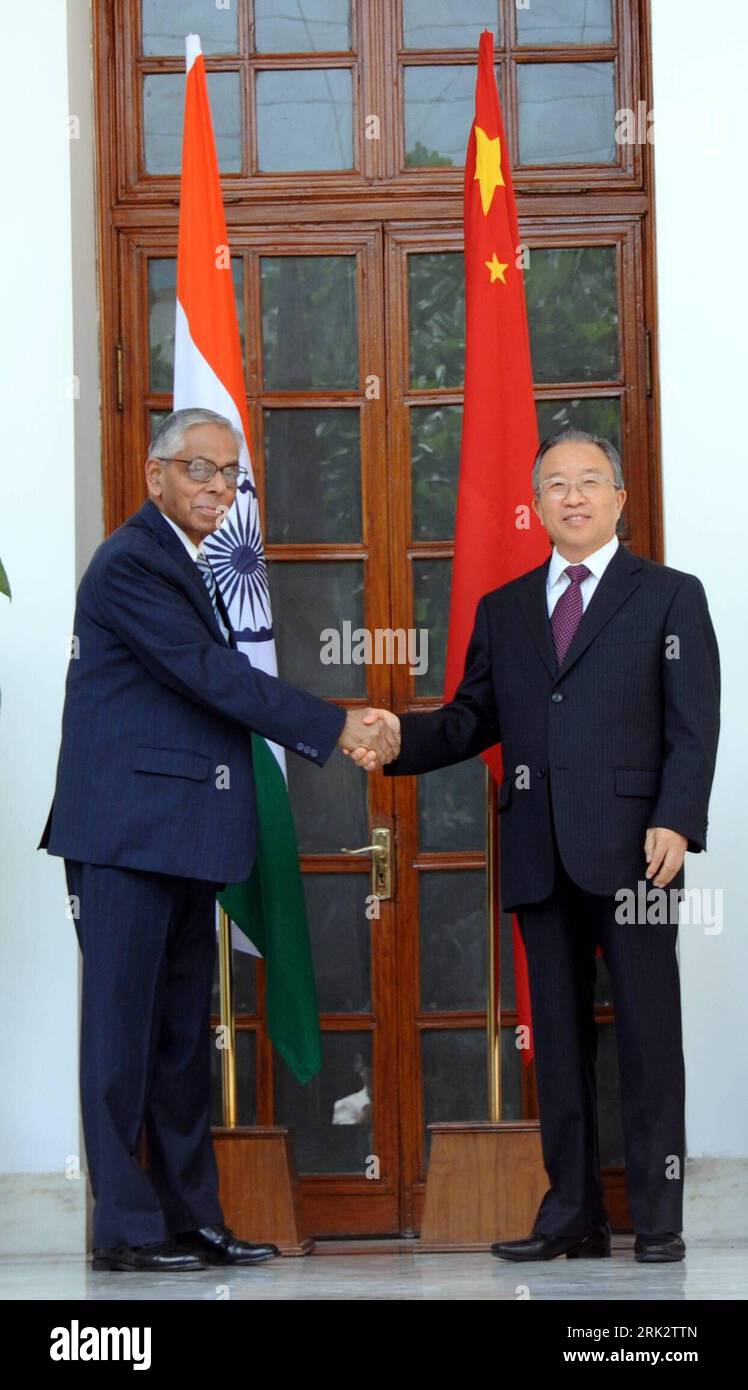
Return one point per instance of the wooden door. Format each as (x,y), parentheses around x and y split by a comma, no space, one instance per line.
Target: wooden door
(349,290)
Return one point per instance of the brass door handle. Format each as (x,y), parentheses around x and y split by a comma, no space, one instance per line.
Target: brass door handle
(381,868)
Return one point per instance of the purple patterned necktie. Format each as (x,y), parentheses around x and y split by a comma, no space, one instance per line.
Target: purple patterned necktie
(567,614)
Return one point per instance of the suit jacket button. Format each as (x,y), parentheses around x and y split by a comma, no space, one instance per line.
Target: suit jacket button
(299,748)
(557,697)
(541,772)
(314,752)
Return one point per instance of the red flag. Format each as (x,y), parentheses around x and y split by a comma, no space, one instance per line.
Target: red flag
(497,536)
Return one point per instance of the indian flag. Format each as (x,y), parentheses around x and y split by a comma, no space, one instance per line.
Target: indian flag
(269,908)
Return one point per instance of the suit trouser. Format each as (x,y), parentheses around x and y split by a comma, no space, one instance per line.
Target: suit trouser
(148,945)
(560,935)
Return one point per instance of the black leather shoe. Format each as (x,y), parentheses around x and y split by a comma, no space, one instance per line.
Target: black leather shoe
(657,1249)
(160,1255)
(595,1244)
(219,1246)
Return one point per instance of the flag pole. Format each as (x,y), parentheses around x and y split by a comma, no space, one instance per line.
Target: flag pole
(493,1003)
(228,1032)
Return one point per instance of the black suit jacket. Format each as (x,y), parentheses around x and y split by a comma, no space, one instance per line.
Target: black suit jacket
(158,705)
(621,737)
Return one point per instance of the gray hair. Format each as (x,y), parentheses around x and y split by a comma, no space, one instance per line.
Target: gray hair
(168,437)
(570,436)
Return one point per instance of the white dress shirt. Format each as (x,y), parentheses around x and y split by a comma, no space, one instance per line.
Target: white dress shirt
(189,545)
(193,551)
(557,581)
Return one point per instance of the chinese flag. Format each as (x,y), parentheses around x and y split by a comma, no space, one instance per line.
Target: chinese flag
(497,536)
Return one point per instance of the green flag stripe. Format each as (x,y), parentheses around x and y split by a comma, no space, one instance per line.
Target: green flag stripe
(269,908)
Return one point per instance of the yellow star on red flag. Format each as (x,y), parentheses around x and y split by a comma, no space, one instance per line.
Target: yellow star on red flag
(496,268)
(487,166)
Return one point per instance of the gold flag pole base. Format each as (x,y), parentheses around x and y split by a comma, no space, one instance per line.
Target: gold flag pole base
(485,1179)
(257,1183)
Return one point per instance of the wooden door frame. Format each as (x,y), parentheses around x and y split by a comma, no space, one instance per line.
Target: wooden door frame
(378,194)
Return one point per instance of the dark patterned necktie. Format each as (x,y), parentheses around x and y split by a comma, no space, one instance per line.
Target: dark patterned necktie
(567,614)
(209,579)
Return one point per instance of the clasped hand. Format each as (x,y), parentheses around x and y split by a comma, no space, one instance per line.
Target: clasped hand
(371,737)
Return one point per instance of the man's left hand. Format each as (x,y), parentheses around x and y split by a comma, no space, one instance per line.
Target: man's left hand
(665,851)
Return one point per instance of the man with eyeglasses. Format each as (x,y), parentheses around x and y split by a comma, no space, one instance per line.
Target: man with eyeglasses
(598,672)
(154,812)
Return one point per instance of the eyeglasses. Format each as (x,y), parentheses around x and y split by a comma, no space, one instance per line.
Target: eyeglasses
(202,470)
(590,486)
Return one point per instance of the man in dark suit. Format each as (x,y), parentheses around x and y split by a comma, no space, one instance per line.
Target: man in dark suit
(598,672)
(159,704)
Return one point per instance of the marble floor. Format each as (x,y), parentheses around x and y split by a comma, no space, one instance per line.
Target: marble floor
(393,1270)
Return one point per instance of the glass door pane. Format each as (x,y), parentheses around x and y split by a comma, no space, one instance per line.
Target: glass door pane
(328,562)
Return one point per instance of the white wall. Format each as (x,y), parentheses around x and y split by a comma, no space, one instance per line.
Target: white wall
(89,483)
(699,72)
(49,333)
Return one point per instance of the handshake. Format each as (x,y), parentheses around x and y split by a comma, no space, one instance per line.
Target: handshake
(371,737)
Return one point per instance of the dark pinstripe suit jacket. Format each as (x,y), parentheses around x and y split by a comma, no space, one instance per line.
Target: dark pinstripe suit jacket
(622,736)
(156,703)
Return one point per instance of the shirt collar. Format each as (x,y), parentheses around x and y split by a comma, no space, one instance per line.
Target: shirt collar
(596,562)
(190,547)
